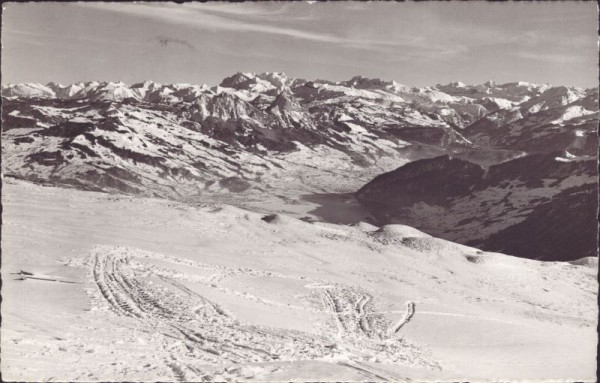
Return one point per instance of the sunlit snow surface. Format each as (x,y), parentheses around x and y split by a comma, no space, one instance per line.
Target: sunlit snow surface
(166,291)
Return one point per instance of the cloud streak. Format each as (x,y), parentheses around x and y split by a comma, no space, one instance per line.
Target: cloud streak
(199,18)
(557,58)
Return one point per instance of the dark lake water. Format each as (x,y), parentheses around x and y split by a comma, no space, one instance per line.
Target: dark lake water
(338,208)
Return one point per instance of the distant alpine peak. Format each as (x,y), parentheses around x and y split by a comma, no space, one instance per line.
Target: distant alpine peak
(53,84)
(249,86)
(146,85)
(457,84)
(367,83)
(255,82)
(528,84)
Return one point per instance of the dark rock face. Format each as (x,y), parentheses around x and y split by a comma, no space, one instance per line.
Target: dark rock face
(14,122)
(20,140)
(235,184)
(47,158)
(68,129)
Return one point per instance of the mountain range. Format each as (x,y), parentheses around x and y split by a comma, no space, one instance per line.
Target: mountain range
(504,167)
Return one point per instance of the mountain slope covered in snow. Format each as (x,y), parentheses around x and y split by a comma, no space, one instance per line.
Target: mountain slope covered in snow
(167,291)
(538,206)
(174,140)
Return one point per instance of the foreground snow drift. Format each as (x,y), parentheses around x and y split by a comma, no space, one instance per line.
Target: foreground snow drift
(168,291)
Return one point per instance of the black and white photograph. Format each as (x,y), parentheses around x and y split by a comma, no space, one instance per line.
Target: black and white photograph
(299,191)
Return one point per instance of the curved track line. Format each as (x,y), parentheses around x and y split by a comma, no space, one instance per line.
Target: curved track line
(410,311)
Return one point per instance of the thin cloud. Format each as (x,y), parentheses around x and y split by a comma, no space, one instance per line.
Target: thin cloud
(549,57)
(200,19)
(245,9)
(70,39)
(197,17)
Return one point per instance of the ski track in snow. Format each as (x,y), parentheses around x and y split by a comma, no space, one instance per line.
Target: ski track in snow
(410,311)
(372,373)
(353,313)
(207,335)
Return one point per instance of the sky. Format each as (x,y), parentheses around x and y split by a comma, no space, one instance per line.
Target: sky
(415,44)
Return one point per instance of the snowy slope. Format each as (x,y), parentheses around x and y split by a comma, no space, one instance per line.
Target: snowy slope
(135,289)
